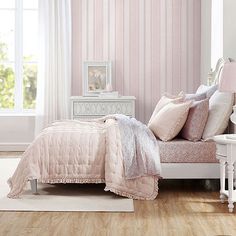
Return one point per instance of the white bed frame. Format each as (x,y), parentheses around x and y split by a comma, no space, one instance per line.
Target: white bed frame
(190,170)
(177,171)
(196,170)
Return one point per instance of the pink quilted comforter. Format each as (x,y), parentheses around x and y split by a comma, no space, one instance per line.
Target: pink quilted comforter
(81,152)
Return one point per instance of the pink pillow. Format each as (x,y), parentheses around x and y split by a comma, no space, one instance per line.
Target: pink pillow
(165,99)
(168,122)
(196,121)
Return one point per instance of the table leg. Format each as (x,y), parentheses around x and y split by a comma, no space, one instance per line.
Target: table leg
(231,186)
(222,180)
(234,176)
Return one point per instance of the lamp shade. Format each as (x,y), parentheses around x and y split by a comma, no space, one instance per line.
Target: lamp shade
(227,81)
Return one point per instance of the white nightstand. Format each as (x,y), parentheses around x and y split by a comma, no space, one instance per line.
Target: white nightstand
(226,153)
(95,107)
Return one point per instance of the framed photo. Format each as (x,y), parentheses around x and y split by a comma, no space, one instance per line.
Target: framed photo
(96,76)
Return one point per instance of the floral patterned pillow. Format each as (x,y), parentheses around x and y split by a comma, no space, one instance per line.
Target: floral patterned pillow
(196,121)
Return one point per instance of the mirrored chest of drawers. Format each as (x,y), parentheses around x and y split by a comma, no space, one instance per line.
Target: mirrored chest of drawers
(95,107)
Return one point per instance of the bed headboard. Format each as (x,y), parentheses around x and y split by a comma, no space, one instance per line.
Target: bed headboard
(213,78)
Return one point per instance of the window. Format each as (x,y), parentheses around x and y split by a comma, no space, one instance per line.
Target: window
(216,31)
(18,54)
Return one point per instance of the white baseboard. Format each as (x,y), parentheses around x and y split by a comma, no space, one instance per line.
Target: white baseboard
(8,147)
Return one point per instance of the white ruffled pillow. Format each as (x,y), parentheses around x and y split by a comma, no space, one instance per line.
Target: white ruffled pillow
(220,109)
(208,90)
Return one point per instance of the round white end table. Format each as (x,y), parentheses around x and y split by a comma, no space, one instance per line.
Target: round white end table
(226,154)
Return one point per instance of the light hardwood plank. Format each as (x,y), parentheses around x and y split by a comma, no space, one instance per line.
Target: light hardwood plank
(181,208)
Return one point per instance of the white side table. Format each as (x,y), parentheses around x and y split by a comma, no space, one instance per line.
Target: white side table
(95,107)
(226,153)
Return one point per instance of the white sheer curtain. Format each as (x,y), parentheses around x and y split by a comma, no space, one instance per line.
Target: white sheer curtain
(54,76)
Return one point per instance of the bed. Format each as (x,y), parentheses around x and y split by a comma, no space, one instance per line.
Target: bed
(93,152)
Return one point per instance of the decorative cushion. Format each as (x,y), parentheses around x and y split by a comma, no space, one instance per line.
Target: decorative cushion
(168,122)
(208,90)
(165,99)
(195,97)
(220,109)
(196,121)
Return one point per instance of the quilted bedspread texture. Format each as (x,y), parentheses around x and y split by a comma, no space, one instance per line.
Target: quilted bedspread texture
(80,152)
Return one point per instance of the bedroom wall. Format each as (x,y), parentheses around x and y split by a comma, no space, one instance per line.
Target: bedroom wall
(229,30)
(17,131)
(154,45)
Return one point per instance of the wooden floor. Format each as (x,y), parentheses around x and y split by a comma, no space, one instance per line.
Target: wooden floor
(181,208)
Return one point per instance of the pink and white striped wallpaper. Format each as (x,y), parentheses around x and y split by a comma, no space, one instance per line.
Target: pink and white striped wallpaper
(154,46)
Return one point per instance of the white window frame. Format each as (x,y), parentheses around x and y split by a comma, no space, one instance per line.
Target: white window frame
(216,31)
(18,62)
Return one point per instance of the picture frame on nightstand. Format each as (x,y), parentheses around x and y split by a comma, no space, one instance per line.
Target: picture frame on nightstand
(96,77)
